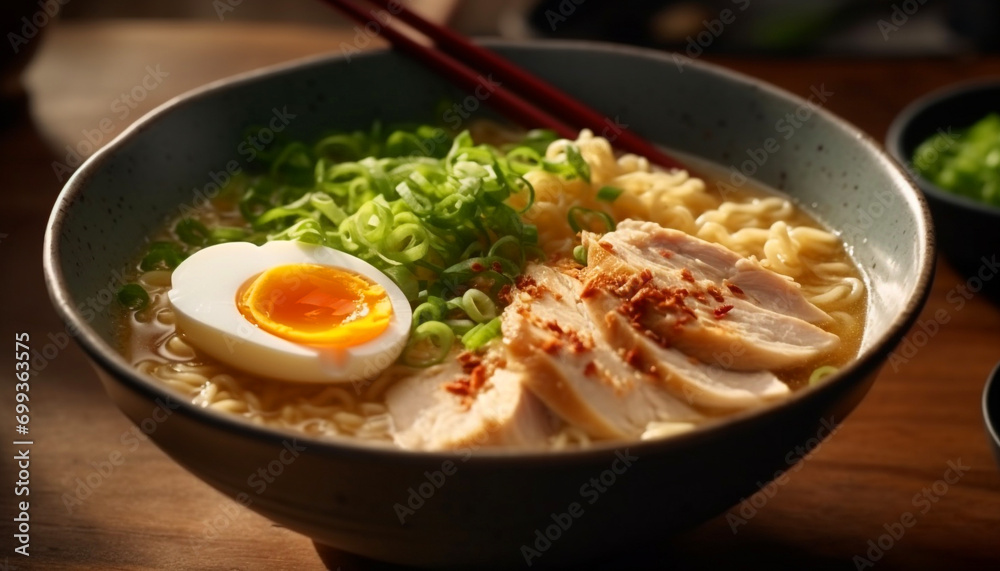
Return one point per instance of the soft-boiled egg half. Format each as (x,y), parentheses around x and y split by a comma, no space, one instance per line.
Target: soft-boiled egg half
(290,311)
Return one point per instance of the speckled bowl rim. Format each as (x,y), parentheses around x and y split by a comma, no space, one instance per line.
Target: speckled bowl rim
(868,362)
(991,416)
(894,139)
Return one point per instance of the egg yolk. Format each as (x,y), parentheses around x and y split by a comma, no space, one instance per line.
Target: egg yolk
(316,305)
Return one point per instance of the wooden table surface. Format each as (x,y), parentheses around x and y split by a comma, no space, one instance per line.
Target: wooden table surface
(921,417)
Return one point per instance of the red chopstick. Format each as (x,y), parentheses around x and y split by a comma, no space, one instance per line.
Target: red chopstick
(503,100)
(544,95)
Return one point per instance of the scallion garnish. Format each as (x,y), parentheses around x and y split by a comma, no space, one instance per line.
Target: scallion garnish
(192,232)
(223,234)
(482,334)
(821,373)
(608,193)
(581,218)
(429,344)
(478,306)
(575,160)
(133,296)
(162,256)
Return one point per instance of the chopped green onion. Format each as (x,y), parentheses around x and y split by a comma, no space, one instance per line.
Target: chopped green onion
(520,186)
(294,165)
(500,270)
(478,306)
(580,254)
(223,234)
(581,218)
(461,326)
(530,234)
(473,250)
(406,243)
(429,344)
(373,221)
(418,203)
(508,247)
(575,160)
(306,230)
(133,296)
(192,232)
(430,310)
(538,140)
(401,144)
(295,208)
(342,147)
(405,279)
(507,221)
(523,160)
(821,373)
(608,193)
(162,256)
(964,162)
(324,203)
(482,334)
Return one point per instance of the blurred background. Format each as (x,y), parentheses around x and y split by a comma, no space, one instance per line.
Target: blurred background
(787,27)
(85,54)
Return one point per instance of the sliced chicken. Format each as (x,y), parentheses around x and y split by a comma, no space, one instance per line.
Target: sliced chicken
(716,263)
(571,367)
(697,383)
(703,299)
(437,410)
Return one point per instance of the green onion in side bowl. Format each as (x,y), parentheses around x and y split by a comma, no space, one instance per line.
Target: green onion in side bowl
(967,164)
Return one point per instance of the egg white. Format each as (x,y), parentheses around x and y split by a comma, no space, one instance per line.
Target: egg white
(203,295)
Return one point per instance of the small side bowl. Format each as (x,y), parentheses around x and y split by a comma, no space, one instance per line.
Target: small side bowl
(991,410)
(967,231)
